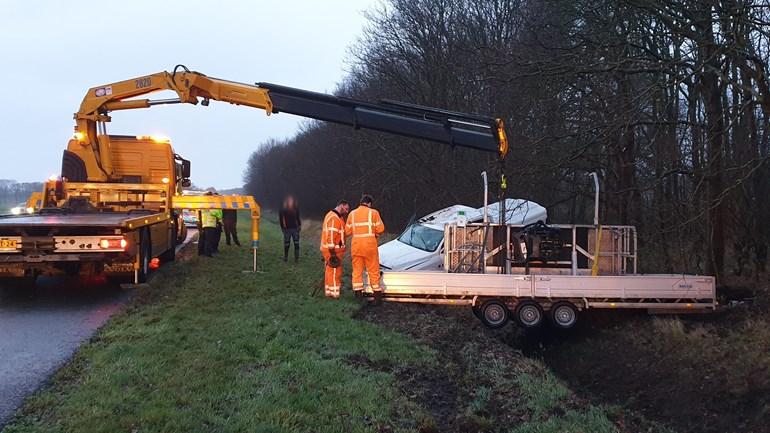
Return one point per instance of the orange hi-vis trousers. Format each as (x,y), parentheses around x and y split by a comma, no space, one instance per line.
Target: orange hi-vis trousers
(369,261)
(332,276)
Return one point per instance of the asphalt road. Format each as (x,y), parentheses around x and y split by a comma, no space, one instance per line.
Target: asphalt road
(42,327)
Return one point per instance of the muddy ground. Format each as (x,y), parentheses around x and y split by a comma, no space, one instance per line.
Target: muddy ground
(692,374)
(465,349)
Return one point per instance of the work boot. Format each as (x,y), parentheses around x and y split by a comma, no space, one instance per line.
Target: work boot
(378,297)
(358,293)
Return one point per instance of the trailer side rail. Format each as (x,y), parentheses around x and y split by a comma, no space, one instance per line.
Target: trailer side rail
(666,291)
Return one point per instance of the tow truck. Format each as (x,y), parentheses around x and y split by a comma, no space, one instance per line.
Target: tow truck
(115,207)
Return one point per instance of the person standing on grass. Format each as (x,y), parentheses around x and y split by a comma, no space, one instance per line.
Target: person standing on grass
(211,220)
(365,226)
(333,248)
(291,225)
(230,221)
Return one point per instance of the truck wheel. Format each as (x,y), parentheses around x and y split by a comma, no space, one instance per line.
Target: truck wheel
(493,314)
(170,254)
(564,315)
(145,251)
(529,314)
(180,229)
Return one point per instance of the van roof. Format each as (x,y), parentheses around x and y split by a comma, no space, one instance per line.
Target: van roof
(518,211)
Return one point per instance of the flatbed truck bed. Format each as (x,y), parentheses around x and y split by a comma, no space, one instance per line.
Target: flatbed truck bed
(93,219)
(101,232)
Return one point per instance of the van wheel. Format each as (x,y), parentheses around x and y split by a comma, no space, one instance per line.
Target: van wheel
(493,314)
(564,315)
(529,314)
(145,253)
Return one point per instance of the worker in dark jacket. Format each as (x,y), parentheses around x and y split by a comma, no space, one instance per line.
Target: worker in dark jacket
(291,224)
(210,220)
(230,221)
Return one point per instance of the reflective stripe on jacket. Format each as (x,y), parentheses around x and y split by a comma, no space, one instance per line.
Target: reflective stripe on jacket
(210,217)
(364,225)
(332,232)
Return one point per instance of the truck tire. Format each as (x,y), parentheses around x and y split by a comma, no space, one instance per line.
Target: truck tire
(180,230)
(563,315)
(493,314)
(170,254)
(529,314)
(145,253)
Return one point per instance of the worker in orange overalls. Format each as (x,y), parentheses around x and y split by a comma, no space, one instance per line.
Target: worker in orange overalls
(333,248)
(365,225)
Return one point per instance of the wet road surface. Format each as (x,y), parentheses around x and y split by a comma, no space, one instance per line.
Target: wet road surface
(42,327)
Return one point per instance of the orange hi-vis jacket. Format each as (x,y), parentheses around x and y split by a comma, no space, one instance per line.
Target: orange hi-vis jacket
(333,232)
(364,225)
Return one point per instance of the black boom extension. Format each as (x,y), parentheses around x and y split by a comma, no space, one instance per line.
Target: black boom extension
(410,120)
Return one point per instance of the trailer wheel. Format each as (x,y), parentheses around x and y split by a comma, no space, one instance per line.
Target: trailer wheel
(145,251)
(529,314)
(493,314)
(564,315)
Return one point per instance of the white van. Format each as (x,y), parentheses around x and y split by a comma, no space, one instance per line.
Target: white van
(421,245)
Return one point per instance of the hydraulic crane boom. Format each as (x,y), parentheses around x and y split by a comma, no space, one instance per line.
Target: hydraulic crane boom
(88,153)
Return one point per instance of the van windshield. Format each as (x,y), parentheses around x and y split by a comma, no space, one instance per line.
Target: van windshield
(422,237)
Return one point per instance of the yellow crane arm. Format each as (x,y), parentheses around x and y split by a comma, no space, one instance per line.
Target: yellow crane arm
(91,143)
(188,85)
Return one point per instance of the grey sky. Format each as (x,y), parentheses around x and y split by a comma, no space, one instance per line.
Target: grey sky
(53,51)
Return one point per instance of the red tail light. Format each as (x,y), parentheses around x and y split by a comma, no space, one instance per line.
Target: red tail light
(113,244)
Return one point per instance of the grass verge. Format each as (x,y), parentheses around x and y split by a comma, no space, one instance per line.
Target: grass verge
(210,348)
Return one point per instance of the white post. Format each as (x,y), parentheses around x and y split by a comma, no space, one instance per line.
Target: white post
(596,197)
(574,251)
(486,196)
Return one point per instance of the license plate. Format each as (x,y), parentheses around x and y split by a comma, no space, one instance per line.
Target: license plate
(11,271)
(118,268)
(9,244)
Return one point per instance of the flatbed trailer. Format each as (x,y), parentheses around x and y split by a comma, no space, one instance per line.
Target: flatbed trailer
(531,297)
(503,283)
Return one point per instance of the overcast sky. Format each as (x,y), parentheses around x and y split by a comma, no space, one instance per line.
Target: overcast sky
(51,52)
